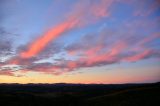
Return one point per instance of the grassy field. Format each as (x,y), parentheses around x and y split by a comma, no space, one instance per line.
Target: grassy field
(80,95)
(146,96)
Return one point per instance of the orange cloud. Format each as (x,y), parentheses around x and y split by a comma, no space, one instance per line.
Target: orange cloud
(139,56)
(8,73)
(72,65)
(94,56)
(38,45)
(108,57)
(75,19)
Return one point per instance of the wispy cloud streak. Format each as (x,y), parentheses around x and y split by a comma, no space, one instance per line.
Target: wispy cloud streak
(97,10)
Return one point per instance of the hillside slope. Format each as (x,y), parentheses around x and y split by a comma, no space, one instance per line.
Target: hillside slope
(146,96)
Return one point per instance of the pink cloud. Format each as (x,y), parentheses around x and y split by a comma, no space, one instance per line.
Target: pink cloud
(139,56)
(150,38)
(98,10)
(8,73)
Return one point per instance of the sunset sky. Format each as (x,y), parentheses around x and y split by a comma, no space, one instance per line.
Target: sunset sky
(79,41)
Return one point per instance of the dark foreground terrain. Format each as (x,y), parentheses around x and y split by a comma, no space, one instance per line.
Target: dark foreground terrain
(80,95)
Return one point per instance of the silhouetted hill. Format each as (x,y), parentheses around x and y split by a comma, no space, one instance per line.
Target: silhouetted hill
(62,94)
(144,96)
